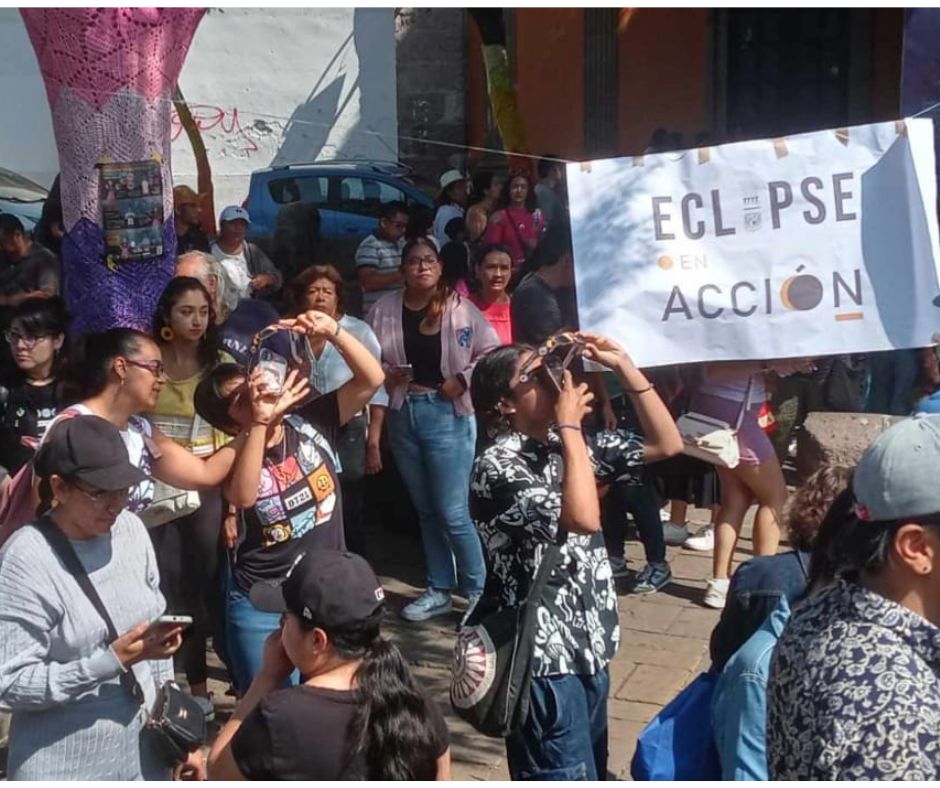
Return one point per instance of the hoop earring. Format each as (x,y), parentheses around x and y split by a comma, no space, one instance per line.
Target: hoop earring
(167,334)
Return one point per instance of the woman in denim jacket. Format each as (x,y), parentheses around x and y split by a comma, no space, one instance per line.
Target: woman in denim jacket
(431,339)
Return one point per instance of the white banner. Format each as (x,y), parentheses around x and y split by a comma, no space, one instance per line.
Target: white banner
(807,245)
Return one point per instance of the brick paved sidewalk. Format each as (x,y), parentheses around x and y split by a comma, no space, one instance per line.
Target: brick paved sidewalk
(664,644)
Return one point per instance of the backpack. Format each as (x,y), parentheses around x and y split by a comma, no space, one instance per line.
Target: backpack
(19,500)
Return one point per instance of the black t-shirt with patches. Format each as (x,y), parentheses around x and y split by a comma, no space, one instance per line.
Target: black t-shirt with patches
(25,412)
(299,504)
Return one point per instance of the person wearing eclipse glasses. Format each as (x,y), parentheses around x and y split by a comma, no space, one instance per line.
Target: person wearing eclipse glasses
(535,486)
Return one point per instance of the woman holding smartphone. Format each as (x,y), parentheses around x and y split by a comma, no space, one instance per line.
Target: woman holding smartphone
(285,479)
(74,715)
(431,339)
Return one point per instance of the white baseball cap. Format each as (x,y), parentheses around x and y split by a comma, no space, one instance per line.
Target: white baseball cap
(452,176)
(233,212)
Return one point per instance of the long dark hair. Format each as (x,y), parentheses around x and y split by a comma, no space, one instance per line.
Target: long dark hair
(90,365)
(208,351)
(505,200)
(44,317)
(391,729)
(443,292)
(491,382)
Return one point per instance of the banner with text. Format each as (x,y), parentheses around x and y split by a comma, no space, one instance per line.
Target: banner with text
(807,245)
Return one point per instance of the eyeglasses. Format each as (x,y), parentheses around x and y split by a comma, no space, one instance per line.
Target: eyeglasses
(29,342)
(102,498)
(154,367)
(417,262)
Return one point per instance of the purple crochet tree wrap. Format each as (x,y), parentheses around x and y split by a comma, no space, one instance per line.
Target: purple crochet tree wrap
(109,75)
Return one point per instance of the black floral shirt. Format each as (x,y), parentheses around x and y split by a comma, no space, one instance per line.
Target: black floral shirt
(854,691)
(515,501)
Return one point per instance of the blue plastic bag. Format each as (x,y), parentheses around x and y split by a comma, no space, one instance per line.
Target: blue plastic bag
(678,743)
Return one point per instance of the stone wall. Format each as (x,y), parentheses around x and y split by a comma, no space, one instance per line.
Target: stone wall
(431,46)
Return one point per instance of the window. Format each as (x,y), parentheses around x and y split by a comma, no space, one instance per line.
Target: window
(787,71)
(365,196)
(300,188)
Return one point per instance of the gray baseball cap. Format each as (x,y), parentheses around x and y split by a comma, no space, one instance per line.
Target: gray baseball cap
(899,473)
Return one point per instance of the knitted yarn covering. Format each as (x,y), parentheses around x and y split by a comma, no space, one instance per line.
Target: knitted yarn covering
(109,76)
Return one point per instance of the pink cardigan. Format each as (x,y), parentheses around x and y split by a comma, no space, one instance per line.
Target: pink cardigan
(466,335)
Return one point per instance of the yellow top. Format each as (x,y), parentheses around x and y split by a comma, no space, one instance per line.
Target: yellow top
(175,416)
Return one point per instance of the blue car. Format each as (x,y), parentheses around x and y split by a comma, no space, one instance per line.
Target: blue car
(349,196)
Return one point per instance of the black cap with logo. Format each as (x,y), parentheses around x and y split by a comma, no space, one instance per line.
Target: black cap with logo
(90,450)
(324,588)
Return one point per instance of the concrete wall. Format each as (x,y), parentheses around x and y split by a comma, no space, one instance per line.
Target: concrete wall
(266,87)
(292,85)
(431,46)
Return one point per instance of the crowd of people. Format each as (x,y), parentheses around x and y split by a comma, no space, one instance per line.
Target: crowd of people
(211,476)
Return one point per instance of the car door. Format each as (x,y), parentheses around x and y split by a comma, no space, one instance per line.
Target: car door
(360,200)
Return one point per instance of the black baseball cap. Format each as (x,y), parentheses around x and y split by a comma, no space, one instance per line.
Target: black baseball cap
(89,449)
(324,588)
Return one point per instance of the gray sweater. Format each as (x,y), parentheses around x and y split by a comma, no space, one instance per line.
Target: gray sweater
(72,719)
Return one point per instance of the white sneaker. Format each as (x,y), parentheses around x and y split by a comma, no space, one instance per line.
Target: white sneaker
(703,541)
(716,592)
(664,513)
(675,533)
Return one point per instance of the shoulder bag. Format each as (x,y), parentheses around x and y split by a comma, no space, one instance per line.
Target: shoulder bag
(492,664)
(177,724)
(169,502)
(713,440)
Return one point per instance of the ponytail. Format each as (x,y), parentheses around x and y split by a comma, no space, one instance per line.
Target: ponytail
(391,729)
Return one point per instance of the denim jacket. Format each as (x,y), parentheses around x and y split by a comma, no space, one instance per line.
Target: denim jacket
(756,588)
(739,707)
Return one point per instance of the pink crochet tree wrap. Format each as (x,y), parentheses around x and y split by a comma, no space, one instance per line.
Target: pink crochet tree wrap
(109,75)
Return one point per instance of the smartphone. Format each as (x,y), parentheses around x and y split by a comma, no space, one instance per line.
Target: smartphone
(169,621)
(405,370)
(273,368)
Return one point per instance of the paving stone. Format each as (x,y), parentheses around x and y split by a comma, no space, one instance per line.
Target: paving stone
(646,618)
(695,623)
(665,650)
(653,684)
(631,710)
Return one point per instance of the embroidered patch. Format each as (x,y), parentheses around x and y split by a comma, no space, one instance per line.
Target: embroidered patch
(321,483)
(276,534)
(465,336)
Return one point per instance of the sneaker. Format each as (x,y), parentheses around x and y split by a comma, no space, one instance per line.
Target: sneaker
(704,540)
(618,566)
(207,707)
(675,533)
(652,578)
(716,592)
(431,603)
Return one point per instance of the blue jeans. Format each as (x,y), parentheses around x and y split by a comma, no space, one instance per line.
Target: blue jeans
(246,629)
(565,736)
(433,449)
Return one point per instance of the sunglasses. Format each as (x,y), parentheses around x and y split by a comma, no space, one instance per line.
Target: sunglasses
(556,354)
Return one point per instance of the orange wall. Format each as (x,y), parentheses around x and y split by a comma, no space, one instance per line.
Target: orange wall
(663,73)
(550,79)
